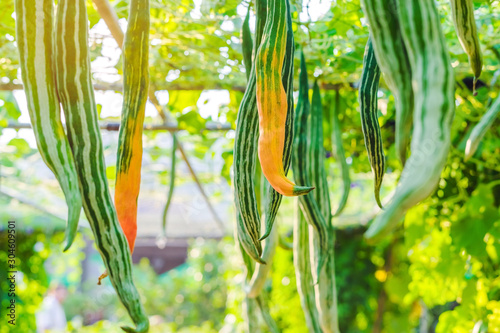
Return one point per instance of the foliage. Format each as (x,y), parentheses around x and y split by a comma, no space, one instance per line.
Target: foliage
(442,266)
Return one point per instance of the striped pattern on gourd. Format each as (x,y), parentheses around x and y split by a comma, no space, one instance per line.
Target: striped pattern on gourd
(433,81)
(394,64)
(171,186)
(273,198)
(325,289)
(481,128)
(74,87)
(368,90)
(249,217)
(272,101)
(465,25)
(135,96)
(245,155)
(34,31)
(260,301)
(260,187)
(301,168)
(339,154)
(250,315)
(316,154)
(261,271)
(247,44)
(303,274)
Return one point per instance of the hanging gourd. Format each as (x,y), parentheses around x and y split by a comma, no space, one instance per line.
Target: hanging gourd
(74,87)
(34,30)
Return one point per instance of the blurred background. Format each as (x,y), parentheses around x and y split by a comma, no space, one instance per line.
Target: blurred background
(440,273)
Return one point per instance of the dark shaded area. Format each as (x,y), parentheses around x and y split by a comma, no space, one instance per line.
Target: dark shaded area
(162,260)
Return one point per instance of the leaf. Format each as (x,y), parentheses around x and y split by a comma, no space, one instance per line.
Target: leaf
(9,109)
(477,218)
(192,122)
(22,147)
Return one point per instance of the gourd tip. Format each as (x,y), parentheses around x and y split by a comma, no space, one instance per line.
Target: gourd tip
(67,246)
(302,190)
(267,233)
(261,261)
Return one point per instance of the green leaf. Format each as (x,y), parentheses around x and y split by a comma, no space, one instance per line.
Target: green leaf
(192,122)
(22,147)
(9,109)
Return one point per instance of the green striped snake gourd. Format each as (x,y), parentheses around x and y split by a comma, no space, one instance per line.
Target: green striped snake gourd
(368,90)
(301,166)
(171,186)
(465,26)
(316,154)
(245,153)
(394,64)
(247,48)
(247,44)
(272,100)
(325,289)
(34,31)
(248,216)
(303,274)
(135,96)
(433,83)
(74,87)
(249,314)
(261,271)
(339,154)
(260,301)
(263,303)
(273,198)
(481,128)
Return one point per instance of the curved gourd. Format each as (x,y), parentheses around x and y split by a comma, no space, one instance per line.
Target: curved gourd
(272,101)
(339,154)
(481,128)
(434,87)
(368,90)
(247,44)
(385,32)
(260,301)
(34,31)
(171,186)
(301,172)
(260,274)
(245,154)
(135,96)
(273,198)
(465,26)
(303,274)
(74,87)
(325,289)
